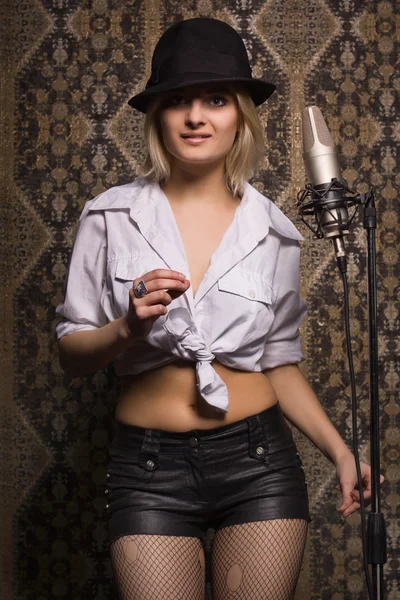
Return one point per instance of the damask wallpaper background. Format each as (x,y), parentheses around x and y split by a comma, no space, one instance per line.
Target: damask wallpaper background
(68,68)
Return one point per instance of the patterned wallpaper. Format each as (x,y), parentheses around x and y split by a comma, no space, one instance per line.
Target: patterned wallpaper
(68,69)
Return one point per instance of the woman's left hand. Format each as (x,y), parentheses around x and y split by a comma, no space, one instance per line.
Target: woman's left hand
(347,475)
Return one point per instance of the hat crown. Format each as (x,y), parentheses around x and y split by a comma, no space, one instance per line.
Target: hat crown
(199,45)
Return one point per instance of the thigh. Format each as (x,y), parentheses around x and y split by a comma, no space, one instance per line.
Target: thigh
(158,566)
(260,559)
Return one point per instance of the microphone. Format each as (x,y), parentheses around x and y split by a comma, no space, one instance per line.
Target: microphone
(325,186)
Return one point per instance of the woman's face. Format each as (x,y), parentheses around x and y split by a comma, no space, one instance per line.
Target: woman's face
(199,123)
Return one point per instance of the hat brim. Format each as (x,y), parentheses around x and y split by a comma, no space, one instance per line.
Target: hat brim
(258,89)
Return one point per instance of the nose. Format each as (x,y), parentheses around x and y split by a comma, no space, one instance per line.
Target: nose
(195,114)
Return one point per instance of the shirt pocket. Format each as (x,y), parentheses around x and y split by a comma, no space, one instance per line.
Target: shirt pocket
(132,267)
(248,300)
(248,286)
(124,271)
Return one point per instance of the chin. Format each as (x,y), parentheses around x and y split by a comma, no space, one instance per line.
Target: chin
(200,157)
(200,161)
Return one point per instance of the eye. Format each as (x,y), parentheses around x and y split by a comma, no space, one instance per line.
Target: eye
(219,101)
(175,100)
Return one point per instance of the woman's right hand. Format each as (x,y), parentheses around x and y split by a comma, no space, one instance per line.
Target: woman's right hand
(163,286)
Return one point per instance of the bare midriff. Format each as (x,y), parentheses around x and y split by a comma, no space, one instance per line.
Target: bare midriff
(167,397)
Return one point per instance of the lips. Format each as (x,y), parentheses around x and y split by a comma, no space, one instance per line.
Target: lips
(195,136)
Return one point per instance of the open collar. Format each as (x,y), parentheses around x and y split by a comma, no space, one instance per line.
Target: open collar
(150,209)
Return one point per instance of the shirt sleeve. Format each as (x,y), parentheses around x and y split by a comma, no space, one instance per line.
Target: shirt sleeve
(84,282)
(282,343)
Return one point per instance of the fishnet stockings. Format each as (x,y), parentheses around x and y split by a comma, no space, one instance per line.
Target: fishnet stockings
(259,560)
(251,561)
(155,567)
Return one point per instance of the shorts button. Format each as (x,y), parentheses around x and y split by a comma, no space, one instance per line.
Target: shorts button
(260,450)
(150,464)
(194,442)
(108,475)
(252,293)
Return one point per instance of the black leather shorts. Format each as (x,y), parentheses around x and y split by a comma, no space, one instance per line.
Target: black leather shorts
(182,483)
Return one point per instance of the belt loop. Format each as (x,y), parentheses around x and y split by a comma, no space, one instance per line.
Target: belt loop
(149,451)
(258,442)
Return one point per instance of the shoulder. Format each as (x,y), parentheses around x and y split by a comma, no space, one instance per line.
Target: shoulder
(278,221)
(119,196)
(92,220)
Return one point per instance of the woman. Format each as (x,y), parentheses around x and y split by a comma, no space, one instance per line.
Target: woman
(188,279)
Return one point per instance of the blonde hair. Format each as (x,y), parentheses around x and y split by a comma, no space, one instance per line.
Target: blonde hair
(241,160)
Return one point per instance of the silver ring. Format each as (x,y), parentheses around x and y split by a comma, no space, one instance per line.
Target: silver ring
(140,289)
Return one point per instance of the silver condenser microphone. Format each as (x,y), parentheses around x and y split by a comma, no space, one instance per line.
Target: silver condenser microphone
(328,192)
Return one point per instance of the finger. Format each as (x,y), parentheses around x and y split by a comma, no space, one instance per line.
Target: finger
(159,283)
(165,274)
(346,488)
(168,283)
(345,505)
(351,509)
(175,289)
(159,298)
(356,495)
(347,509)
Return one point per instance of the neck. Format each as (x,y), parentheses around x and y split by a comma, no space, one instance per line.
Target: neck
(202,184)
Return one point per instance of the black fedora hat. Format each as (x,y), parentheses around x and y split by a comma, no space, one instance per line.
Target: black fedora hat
(200,50)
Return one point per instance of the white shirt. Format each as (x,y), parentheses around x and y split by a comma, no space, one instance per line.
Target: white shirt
(247,309)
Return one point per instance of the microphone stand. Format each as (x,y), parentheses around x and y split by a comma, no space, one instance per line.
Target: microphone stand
(326,205)
(377,555)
